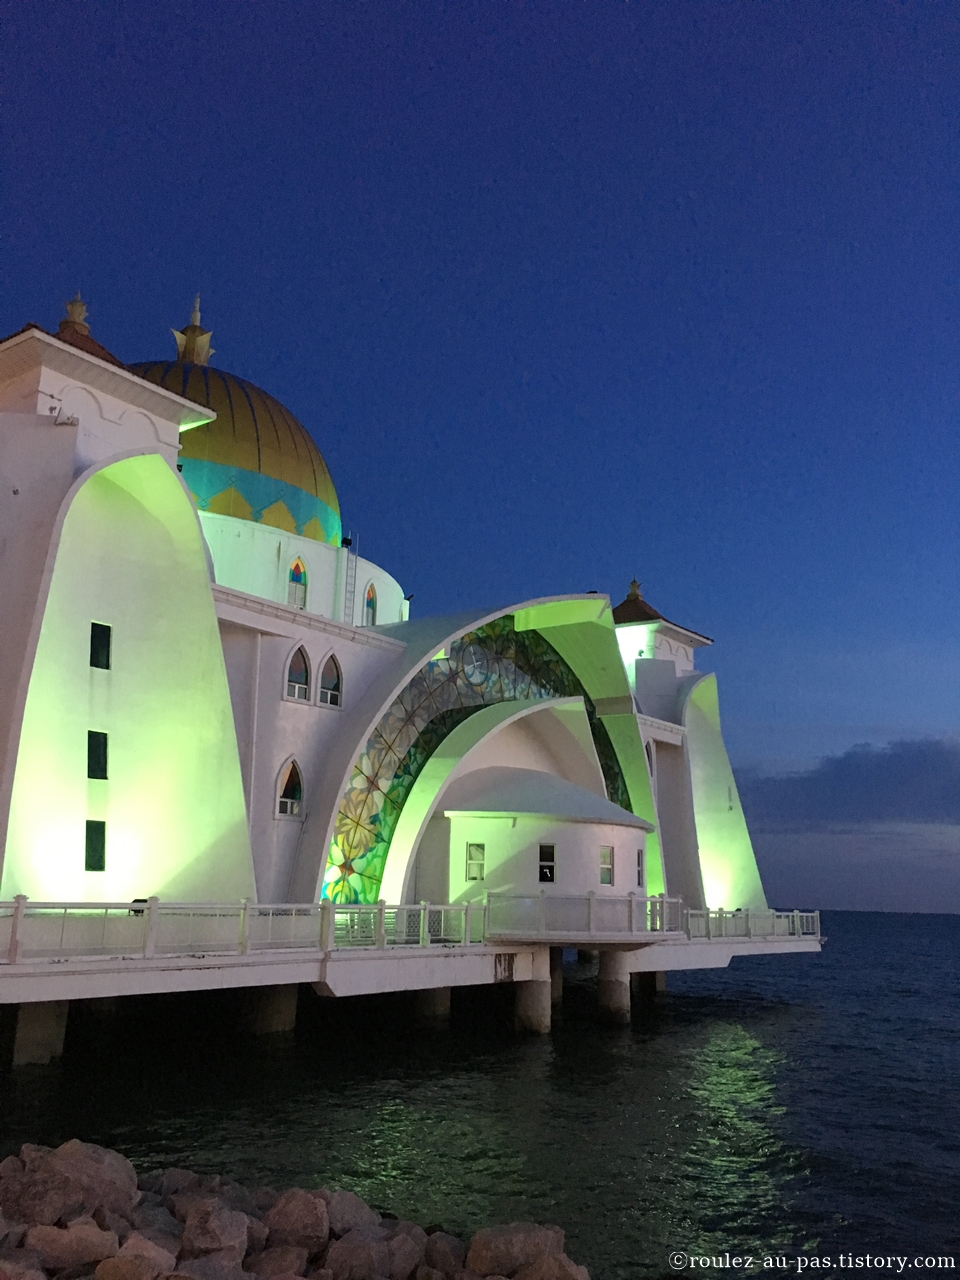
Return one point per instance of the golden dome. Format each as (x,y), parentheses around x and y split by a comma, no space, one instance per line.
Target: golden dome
(255,461)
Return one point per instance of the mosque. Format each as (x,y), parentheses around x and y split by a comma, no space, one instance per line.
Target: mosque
(207,695)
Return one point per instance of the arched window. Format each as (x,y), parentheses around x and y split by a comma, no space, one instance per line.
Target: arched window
(330,682)
(291,792)
(298,677)
(297,585)
(370,607)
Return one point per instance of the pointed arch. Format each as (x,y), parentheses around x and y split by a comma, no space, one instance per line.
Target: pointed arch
(297,584)
(290,791)
(370,606)
(298,676)
(331,683)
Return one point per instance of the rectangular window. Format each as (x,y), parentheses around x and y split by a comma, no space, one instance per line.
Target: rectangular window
(96,852)
(640,876)
(476,855)
(606,864)
(100,645)
(96,754)
(548,863)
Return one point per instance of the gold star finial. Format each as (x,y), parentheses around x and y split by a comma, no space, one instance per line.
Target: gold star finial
(76,316)
(634,592)
(193,342)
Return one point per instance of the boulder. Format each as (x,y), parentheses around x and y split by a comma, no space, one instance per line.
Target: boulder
(156,1220)
(213,1228)
(77,1244)
(264,1198)
(175,1180)
(214,1266)
(20,1262)
(11,1271)
(348,1212)
(257,1234)
(504,1250)
(106,1178)
(445,1253)
(39,1194)
(11,1233)
(132,1267)
(299,1218)
(115,1222)
(361,1254)
(30,1152)
(140,1246)
(235,1196)
(10,1165)
(557,1268)
(284,1259)
(321,1273)
(429,1273)
(406,1254)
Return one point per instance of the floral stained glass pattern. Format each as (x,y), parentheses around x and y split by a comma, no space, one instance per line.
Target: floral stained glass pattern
(493,664)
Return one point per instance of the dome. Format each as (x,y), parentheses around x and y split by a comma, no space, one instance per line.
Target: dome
(255,461)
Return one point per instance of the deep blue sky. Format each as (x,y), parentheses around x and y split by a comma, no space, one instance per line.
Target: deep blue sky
(566,292)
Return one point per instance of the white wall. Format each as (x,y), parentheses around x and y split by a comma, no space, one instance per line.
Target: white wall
(513,856)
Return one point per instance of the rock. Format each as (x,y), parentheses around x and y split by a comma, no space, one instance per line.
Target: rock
(257,1234)
(80,1242)
(140,1246)
(10,1165)
(21,1262)
(213,1228)
(281,1260)
(108,1179)
(30,1152)
(445,1253)
(115,1222)
(14,1270)
(348,1212)
(264,1198)
(361,1254)
(495,1250)
(429,1273)
(39,1194)
(175,1180)
(406,1254)
(157,1220)
(131,1267)
(322,1273)
(234,1196)
(151,1182)
(299,1218)
(557,1268)
(215,1266)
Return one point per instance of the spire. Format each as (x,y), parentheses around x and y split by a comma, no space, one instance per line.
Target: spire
(193,342)
(75,320)
(634,592)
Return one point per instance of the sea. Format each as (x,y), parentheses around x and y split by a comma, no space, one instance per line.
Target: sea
(798,1111)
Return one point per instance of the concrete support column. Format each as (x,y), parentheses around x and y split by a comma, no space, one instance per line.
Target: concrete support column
(433,1005)
(556,976)
(532,1009)
(613,986)
(41,1028)
(272,1009)
(645,986)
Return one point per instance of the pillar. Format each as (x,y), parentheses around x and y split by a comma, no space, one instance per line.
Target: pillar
(41,1028)
(556,976)
(272,1009)
(646,986)
(531,1010)
(433,1005)
(613,986)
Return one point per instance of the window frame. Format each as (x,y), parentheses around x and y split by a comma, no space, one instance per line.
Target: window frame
(98,755)
(606,867)
(328,701)
(98,629)
(296,813)
(307,698)
(641,867)
(547,864)
(95,846)
(297,587)
(371,586)
(480,862)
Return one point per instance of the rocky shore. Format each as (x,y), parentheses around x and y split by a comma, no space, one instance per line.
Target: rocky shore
(79,1212)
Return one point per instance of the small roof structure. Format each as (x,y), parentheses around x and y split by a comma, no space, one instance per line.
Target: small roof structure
(509,792)
(635,609)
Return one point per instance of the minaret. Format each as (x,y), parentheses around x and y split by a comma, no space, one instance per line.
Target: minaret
(193,342)
(75,319)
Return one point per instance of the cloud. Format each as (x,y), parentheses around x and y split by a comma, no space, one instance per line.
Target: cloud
(906,781)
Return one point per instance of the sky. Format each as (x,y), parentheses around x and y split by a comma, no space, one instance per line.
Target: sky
(566,293)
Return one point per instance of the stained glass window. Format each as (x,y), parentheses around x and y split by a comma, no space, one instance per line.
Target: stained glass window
(297,585)
(370,607)
(493,664)
(298,677)
(291,793)
(330,682)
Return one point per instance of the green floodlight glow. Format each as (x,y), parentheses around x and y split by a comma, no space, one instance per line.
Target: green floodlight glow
(635,640)
(130,556)
(200,420)
(727,861)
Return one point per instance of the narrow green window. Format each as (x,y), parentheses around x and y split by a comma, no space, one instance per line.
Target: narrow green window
(96,851)
(606,864)
(96,754)
(100,635)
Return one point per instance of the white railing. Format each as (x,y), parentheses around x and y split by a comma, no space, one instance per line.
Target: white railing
(154,929)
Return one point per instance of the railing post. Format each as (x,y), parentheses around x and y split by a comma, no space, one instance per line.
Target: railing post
(153,928)
(468,924)
(326,938)
(424,923)
(631,900)
(749,926)
(707,928)
(244,926)
(590,900)
(16,927)
(381,936)
(796,924)
(542,913)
